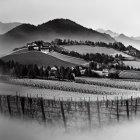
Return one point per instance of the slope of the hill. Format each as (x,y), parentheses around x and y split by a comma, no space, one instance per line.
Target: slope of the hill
(42,59)
(134,64)
(129,74)
(83,49)
(57,28)
(5,27)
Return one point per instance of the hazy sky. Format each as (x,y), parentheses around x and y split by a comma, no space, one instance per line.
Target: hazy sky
(122,16)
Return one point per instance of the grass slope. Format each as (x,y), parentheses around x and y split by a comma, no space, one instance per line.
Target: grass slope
(134,64)
(83,49)
(42,59)
(129,74)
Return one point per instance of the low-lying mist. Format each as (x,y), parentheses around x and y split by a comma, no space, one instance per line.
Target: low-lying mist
(14,129)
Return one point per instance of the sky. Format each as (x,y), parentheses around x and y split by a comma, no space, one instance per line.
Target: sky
(122,16)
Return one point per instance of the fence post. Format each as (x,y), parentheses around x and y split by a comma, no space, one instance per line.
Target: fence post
(63,114)
(136,103)
(42,110)
(1,104)
(107,103)
(30,104)
(9,107)
(117,108)
(121,101)
(112,103)
(131,101)
(22,101)
(18,110)
(89,115)
(98,111)
(127,108)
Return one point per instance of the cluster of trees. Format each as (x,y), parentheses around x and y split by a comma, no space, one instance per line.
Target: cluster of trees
(89,73)
(116,45)
(123,67)
(60,73)
(33,71)
(71,42)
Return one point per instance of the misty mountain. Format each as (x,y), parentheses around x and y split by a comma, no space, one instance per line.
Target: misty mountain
(133,41)
(57,28)
(5,27)
(111,33)
(128,41)
(136,38)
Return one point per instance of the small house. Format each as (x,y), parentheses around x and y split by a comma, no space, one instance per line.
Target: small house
(53,71)
(32,46)
(105,72)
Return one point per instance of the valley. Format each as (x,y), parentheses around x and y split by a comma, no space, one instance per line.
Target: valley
(77,78)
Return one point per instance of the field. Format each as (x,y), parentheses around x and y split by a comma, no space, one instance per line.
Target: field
(134,64)
(88,103)
(129,74)
(42,59)
(90,89)
(83,49)
(114,83)
(12,89)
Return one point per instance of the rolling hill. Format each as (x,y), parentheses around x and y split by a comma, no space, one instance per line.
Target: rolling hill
(35,57)
(5,27)
(57,28)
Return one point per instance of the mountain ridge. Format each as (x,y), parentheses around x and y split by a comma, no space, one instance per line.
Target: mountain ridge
(126,40)
(57,28)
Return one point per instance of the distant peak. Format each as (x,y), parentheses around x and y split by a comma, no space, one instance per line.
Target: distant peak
(60,21)
(122,35)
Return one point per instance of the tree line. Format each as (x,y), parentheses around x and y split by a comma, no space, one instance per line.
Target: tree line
(115,45)
(34,71)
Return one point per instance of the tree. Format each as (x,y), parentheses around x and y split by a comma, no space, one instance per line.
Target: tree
(77,71)
(46,73)
(36,70)
(41,72)
(31,73)
(62,72)
(68,73)
(58,74)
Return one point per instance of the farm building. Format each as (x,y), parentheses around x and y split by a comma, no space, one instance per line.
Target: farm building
(32,46)
(105,72)
(45,49)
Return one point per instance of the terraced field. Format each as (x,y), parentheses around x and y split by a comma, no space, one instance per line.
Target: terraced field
(76,87)
(115,83)
(51,90)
